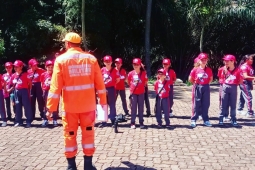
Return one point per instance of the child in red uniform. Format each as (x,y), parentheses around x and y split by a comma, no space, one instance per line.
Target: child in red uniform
(111,78)
(7,78)
(137,80)
(201,77)
(34,73)
(45,83)
(120,86)
(231,78)
(162,88)
(171,77)
(20,84)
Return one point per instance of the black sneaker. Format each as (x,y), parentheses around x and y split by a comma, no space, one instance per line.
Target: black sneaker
(102,125)
(28,125)
(17,125)
(221,123)
(142,127)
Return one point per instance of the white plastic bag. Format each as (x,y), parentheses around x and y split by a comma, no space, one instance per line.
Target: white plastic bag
(102,113)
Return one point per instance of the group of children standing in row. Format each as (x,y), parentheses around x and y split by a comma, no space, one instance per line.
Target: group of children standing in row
(230,77)
(23,88)
(115,78)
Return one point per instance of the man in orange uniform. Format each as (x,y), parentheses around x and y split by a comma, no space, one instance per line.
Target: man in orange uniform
(77,75)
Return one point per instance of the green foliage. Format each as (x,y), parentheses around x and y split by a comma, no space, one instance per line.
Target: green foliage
(179,29)
(1,45)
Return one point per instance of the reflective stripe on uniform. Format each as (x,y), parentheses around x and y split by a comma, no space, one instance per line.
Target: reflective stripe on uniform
(52,95)
(75,56)
(101,91)
(88,146)
(63,113)
(70,149)
(80,87)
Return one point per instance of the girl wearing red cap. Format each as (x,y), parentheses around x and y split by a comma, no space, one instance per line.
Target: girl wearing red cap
(20,84)
(171,77)
(7,78)
(137,80)
(45,83)
(201,77)
(231,78)
(162,88)
(120,86)
(111,78)
(34,73)
(246,87)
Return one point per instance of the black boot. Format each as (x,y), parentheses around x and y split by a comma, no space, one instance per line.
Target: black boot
(71,164)
(88,163)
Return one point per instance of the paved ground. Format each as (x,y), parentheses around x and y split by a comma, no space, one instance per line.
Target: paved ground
(182,148)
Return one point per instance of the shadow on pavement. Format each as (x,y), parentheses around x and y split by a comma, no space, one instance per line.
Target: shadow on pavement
(130,166)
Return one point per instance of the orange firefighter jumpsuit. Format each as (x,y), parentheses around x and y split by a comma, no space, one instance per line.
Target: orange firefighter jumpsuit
(77,75)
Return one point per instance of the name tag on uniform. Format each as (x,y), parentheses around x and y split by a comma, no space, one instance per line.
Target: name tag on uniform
(122,77)
(105,75)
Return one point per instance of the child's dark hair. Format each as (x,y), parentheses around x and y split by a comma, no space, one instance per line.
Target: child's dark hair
(245,58)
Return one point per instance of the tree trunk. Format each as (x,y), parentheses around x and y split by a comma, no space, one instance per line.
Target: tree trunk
(202,39)
(83,25)
(147,37)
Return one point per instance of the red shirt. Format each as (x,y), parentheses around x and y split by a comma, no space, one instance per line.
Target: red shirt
(221,78)
(201,76)
(20,81)
(138,80)
(165,86)
(35,76)
(231,77)
(121,84)
(110,76)
(45,80)
(7,78)
(245,68)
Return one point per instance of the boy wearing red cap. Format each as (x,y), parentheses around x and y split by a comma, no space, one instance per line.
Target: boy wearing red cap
(20,84)
(45,83)
(120,86)
(201,77)
(171,77)
(162,88)
(111,78)
(231,78)
(137,80)
(7,78)
(34,73)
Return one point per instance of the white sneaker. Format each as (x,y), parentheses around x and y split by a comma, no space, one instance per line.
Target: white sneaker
(200,118)
(55,123)
(132,126)
(4,124)
(171,115)
(193,123)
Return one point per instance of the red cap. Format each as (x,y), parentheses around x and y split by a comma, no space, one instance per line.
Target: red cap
(166,61)
(107,58)
(18,63)
(119,60)
(202,56)
(196,60)
(32,62)
(8,64)
(229,57)
(137,61)
(163,71)
(48,62)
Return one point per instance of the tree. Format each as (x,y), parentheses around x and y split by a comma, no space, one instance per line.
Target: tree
(202,14)
(147,36)
(1,45)
(83,25)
